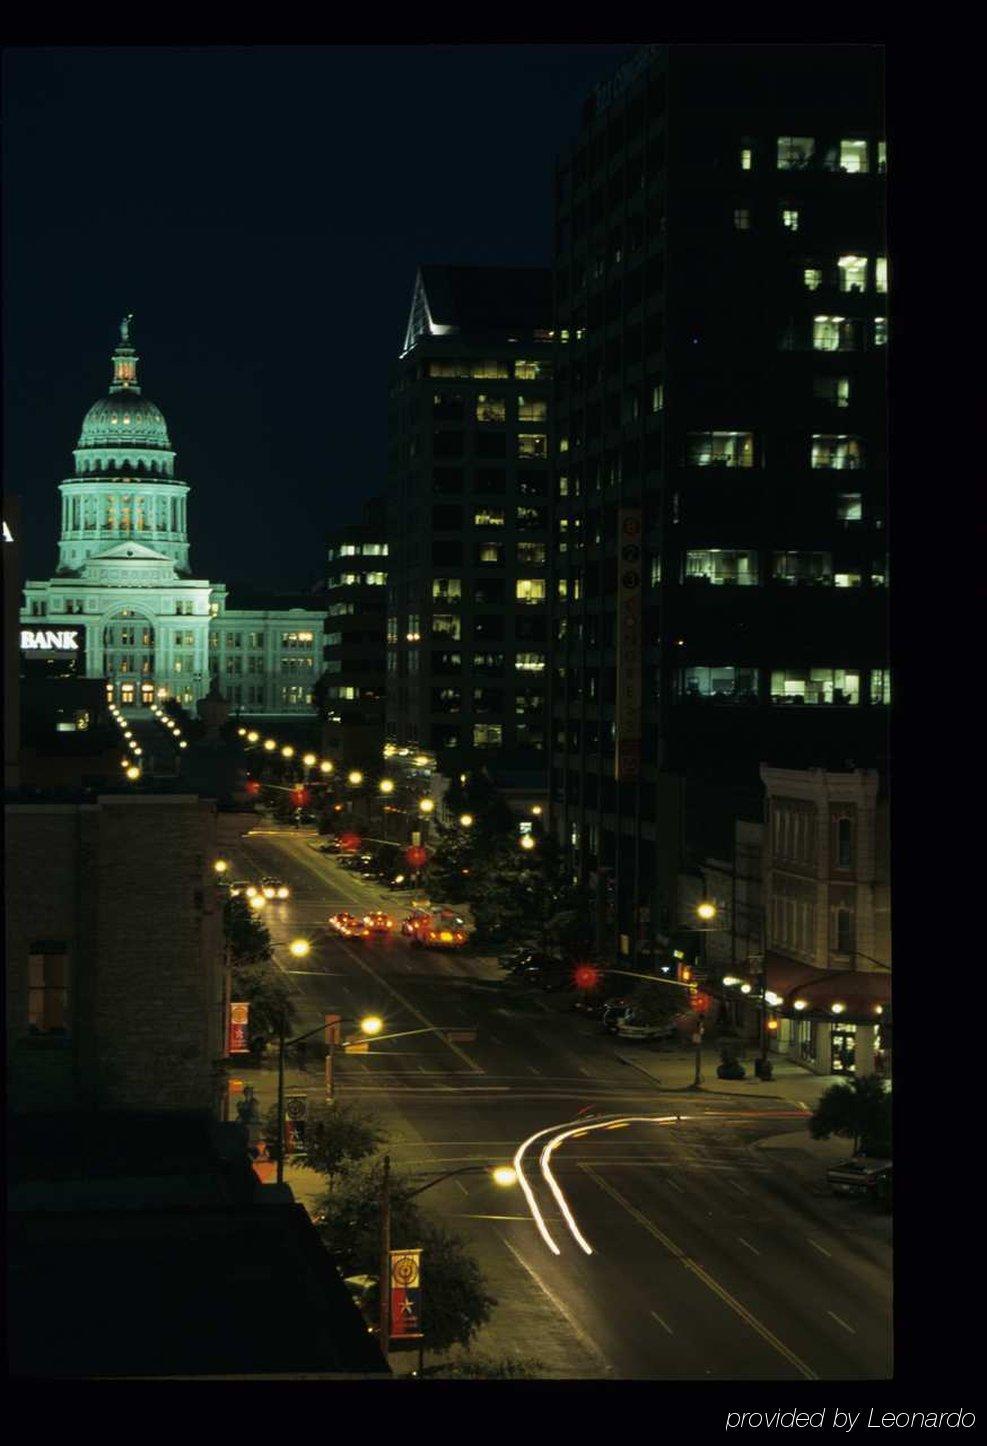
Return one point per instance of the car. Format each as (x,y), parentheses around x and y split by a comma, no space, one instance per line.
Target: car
(241,886)
(342,920)
(862,1175)
(414,921)
(614,1011)
(441,930)
(378,922)
(274,888)
(633,1026)
(349,925)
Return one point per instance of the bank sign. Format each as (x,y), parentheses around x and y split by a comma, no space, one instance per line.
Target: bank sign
(53,642)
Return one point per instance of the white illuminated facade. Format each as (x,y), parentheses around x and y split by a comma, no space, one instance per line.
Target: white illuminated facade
(123,580)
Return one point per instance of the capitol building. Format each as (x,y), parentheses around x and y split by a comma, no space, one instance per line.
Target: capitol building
(124,591)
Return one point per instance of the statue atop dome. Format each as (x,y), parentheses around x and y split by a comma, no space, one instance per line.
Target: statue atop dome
(125,328)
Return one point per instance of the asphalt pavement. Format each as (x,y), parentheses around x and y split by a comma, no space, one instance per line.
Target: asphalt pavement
(712,1258)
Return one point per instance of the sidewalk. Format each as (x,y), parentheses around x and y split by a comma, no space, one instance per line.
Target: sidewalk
(674,1070)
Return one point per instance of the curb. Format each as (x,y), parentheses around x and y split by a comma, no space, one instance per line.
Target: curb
(688,1089)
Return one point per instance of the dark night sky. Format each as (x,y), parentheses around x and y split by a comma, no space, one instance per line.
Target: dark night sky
(262,212)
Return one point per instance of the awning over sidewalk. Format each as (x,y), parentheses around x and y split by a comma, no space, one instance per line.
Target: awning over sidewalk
(851,996)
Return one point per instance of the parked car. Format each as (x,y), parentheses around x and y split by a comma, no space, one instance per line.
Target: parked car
(862,1175)
(241,886)
(613,1013)
(635,1026)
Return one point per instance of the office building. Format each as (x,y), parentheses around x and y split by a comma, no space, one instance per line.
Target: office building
(468,498)
(351,691)
(720,551)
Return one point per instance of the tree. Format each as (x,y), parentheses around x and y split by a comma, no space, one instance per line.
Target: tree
(255,980)
(335,1136)
(455,1302)
(489,1368)
(859,1110)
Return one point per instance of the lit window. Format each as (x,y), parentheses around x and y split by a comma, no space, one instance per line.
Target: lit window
(880,685)
(882,157)
(448,369)
(742,218)
(880,331)
(491,409)
(447,625)
(838,454)
(879,572)
(487,735)
(562,587)
(532,444)
(447,588)
(802,567)
(48,992)
(815,685)
(795,152)
(881,274)
(488,517)
(375,579)
(720,449)
(833,333)
(530,589)
(834,390)
(746,158)
(853,157)
(846,579)
(531,409)
(490,552)
(789,218)
(812,278)
(530,662)
(721,568)
(532,553)
(725,684)
(853,273)
(532,371)
(658,397)
(348,549)
(563,444)
(491,370)
(849,507)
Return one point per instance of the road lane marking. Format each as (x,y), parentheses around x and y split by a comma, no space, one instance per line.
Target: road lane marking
(675,1184)
(820,1248)
(463,1188)
(662,1322)
(840,1321)
(707,1280)
(739,1187)
(580,1334)
(748,1244)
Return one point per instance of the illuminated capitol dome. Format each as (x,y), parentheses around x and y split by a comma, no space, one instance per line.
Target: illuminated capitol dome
(124,585)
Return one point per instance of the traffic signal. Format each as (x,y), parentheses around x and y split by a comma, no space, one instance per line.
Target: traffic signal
(698,1001)
(684,974)
(253,787)
(586,976)
(300,796)
(416,856)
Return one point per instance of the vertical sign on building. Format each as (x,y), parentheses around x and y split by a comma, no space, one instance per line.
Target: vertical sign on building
(627,757)
(239,1027)
(406,1293)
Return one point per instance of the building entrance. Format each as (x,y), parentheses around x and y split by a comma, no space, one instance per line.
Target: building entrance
(147,694)
(844,1048)
(127,692)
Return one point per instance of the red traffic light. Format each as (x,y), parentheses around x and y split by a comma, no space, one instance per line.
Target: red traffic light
(586,976)
(300,796)
(415,856)
(253,787)
(349,842)
(698,1001)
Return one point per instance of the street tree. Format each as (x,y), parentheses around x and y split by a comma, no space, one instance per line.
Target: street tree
(255,978)
(857,1110)
(336,1135)
(455,1300)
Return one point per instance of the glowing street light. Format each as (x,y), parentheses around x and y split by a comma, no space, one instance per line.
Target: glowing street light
(527,841)
(354,777)
(309,760)
(325,766)
(300,948)
(221,866)
(242,732)
(257,901)
(133,773)
(287,751)
(706,910)
(386,785)
(504,1175)
(372,1024)
(536,810)
(426,805)
(270,744)
(466,820)
(253,737)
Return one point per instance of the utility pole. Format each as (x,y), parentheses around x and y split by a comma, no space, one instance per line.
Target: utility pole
(385,1257)
(280,1176)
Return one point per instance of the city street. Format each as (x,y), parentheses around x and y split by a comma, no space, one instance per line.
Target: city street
(711,1259)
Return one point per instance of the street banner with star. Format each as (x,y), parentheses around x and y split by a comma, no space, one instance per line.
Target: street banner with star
(406,1292)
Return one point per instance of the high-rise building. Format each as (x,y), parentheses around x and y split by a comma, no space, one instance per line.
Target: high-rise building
(468,499)
(352,686)
(720,576)
(123,599)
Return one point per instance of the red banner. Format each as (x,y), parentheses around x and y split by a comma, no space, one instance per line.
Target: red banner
(239,1027)
(406,1294)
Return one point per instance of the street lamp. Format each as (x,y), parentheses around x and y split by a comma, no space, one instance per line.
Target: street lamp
(527,841)
(502,1175)
(426,805)
(309,760)
(287,751)
(257,901)
(221,866)
(300,948)
(253,737)
(133,773)
(354,778)
(386,785)
(325,766)
(466,820)
(270,744)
